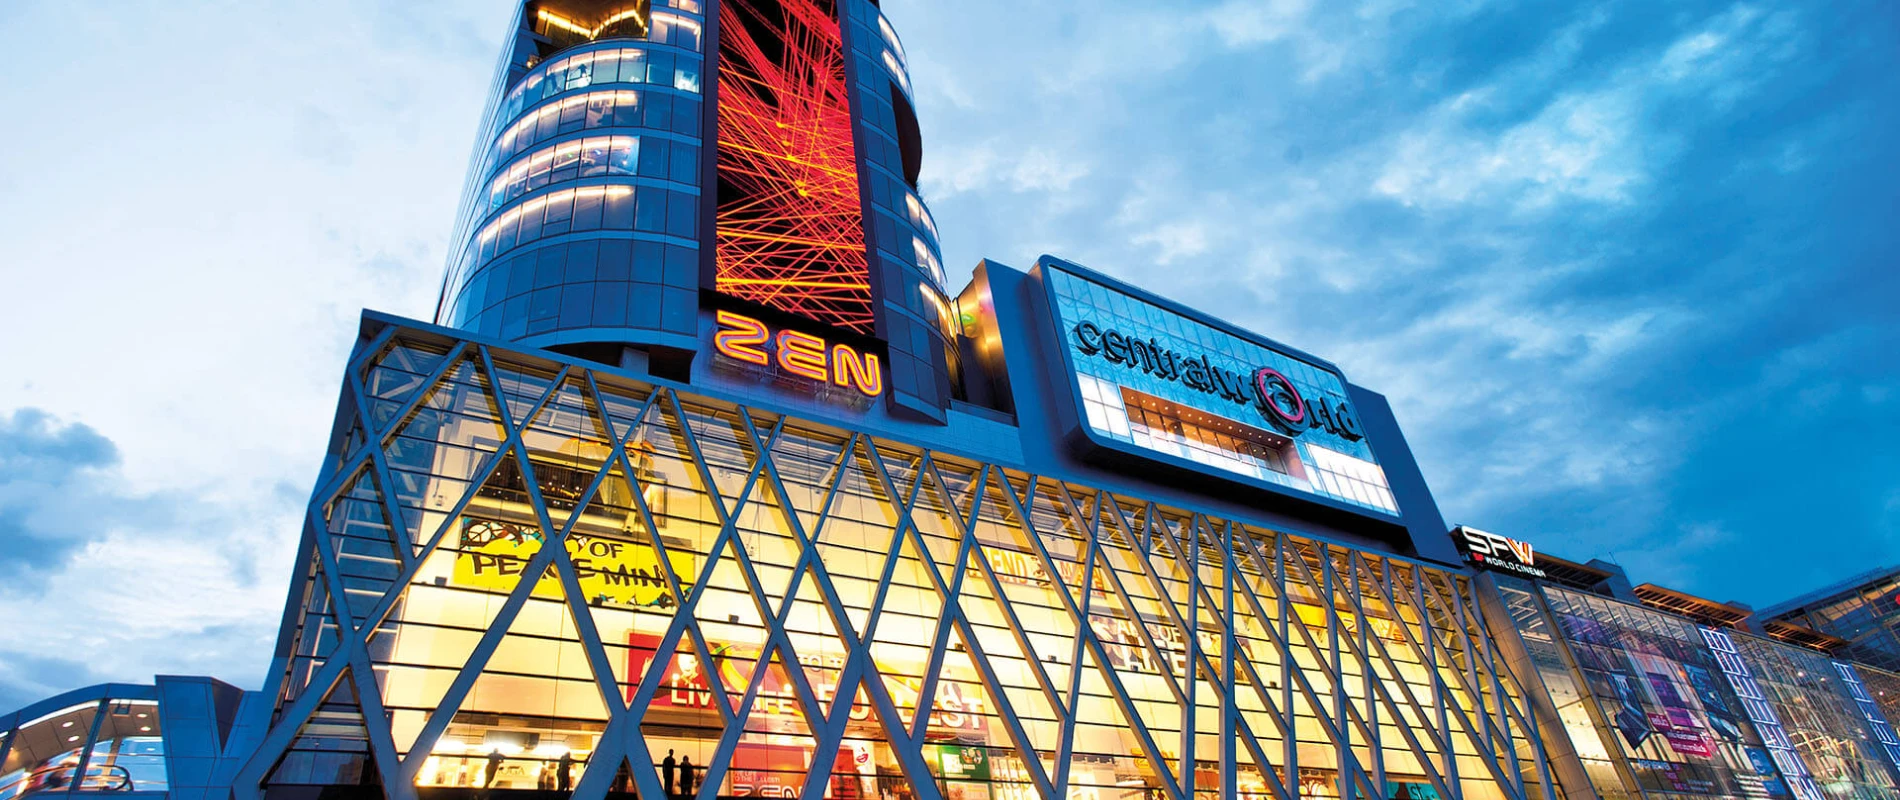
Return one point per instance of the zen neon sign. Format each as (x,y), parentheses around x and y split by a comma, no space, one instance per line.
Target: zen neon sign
(743,338)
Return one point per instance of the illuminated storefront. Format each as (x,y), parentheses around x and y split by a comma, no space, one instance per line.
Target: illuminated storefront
(791,605)
(706,478)
(1659,706)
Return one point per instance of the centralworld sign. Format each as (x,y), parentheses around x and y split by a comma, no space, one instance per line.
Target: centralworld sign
(1265,388)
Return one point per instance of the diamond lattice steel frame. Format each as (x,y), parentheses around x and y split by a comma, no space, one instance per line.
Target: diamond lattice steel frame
(1244,631)
(790,227)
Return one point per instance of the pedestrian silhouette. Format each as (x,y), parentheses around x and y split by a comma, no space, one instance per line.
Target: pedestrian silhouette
(494,766)
(669,769)
(686,776)
(563,779)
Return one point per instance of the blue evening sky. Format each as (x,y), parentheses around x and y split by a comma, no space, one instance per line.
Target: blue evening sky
(1625,269)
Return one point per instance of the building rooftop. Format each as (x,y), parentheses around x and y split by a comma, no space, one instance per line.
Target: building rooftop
(1838,587)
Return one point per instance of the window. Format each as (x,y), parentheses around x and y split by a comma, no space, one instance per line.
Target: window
(592,157)
(927,261)
(60,751)
(604,109)
(1345,477)
(129,750)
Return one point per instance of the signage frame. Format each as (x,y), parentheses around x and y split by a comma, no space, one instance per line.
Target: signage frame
(1483,549)
(1094,446)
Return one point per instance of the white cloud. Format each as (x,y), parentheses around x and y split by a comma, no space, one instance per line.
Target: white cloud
(1243,23)
(1579,147)
(1598,145)
(1174,241)
(188,272)
(993,164)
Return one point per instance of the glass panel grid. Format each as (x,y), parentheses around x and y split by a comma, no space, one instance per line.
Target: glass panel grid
(730,572)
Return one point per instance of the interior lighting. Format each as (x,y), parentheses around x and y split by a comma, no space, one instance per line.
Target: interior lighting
(943,309)
(680,21)
(145,729)
(563,23)
(571,26)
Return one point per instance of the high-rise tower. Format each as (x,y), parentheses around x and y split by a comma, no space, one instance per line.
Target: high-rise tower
(639,167)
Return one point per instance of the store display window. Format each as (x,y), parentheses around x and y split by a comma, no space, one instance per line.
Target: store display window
(115,745)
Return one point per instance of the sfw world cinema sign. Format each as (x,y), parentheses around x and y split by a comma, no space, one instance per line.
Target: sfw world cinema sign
(1492,551)
(1264,388)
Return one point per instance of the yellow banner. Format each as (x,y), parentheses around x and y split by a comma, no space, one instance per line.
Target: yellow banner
(494,554)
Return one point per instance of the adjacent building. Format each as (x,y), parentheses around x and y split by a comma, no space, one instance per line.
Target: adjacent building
(701,477)
(1862,611)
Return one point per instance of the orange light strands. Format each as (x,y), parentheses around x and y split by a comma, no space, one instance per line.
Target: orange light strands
(741,338)
(789,232)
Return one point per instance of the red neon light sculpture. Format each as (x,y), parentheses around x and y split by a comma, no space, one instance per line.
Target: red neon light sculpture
(790,232)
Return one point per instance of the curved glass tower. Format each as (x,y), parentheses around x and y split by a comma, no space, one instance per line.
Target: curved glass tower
(640,165)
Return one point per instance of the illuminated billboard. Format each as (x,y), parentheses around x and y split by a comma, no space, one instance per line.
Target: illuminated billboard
(1487,550)
(1155,380)
(790,225)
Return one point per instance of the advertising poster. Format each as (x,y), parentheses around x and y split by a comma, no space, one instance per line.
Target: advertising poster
(1410,790)
(1723,718)
(493,554)
(1656,684)
(1629,718)
(685,697)
(965,770)
(768,770)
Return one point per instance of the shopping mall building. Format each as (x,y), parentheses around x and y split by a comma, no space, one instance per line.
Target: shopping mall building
(701,461)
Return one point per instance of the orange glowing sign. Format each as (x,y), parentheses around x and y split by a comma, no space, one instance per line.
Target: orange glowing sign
(743,338)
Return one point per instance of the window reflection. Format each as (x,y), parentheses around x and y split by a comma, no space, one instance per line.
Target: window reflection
(60,752)
(583,70)
(593,157)
(46,752)
(129,752)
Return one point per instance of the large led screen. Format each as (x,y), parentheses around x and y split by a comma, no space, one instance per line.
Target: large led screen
(790,227)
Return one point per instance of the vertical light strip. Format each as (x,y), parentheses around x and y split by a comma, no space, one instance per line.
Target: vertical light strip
(1766,723)
(1889,741)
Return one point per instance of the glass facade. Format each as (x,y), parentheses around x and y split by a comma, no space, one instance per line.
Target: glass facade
(1656,706)
(595,208)
(1817,709)
(1661,698)
(795,607)
(581,217)
(1867,615)
(109,745)
(1570,698)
